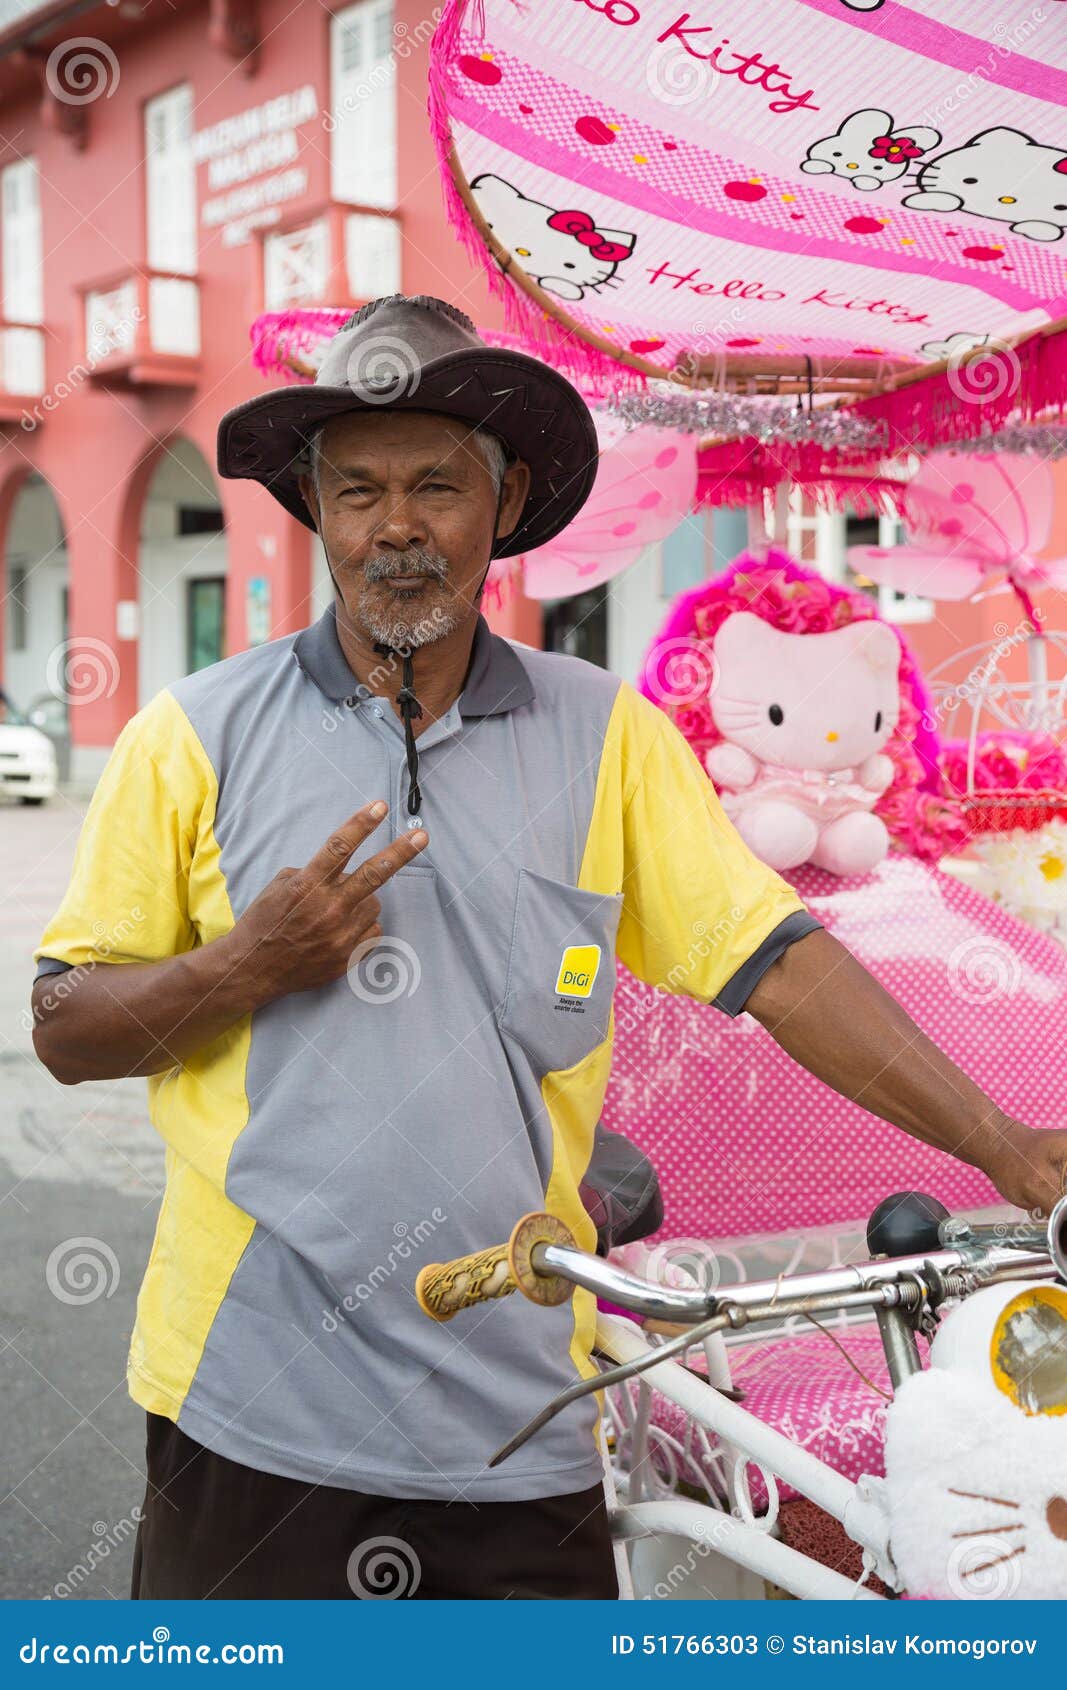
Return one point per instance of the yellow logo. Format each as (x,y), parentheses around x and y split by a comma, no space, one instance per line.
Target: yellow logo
(578,970)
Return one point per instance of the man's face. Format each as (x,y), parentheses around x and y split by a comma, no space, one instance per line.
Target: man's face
(405,507)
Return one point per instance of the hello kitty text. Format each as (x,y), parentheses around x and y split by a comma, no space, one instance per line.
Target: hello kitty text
(706,43)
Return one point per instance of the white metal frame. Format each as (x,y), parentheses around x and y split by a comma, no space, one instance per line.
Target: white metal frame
(742,1538)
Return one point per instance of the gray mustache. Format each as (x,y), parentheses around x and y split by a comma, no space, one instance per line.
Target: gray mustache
(412,564)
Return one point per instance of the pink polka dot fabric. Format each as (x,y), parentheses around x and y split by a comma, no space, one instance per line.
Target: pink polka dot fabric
(747,1143)
(807,1390)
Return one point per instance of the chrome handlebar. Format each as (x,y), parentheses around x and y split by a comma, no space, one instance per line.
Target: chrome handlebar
(542,1260)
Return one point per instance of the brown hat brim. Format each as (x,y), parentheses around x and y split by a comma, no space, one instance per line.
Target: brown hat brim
(535,411)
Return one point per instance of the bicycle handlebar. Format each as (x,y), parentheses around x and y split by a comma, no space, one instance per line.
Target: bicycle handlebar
(443,1288)
(542,1260)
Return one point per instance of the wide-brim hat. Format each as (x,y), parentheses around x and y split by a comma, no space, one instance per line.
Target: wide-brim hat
(422,354)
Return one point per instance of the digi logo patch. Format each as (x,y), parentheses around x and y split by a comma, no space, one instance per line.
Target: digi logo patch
(578,971)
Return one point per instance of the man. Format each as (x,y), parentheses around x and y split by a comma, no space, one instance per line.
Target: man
(364,1056)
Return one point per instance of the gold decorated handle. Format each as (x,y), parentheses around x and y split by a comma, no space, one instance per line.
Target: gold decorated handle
(443,1288)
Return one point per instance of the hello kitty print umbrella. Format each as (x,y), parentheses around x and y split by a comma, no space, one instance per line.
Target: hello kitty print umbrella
(855,186)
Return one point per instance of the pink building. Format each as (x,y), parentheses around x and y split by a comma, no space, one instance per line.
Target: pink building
(166,173)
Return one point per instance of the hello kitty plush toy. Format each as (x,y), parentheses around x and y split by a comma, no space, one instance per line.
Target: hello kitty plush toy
(804,719)
(976,1452)
(804,707)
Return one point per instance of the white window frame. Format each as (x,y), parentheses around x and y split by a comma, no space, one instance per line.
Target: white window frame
(170,183)
(282,246)
(363,105)
(21,254)
(373,255)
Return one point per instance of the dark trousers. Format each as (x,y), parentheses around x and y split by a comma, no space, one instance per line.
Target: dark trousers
(211,1527)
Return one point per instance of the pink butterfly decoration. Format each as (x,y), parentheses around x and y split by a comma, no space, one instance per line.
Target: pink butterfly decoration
(645,486)
(971,517)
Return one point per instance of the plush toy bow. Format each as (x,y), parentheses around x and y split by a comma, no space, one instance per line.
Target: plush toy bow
(581,226)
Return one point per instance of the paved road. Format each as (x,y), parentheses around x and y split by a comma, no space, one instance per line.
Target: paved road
(76,1164)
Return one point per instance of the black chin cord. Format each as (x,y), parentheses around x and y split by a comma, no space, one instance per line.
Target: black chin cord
(409,709)
(406,699)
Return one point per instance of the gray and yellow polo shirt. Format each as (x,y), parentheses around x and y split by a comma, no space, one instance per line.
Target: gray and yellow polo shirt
(325,1148)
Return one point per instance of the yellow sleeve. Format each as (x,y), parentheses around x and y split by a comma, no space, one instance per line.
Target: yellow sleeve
(146,837)
(697,902)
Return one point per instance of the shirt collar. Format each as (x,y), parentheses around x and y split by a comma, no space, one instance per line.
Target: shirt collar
(496,681)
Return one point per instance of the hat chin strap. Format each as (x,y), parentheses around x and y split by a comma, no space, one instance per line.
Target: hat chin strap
(410,707)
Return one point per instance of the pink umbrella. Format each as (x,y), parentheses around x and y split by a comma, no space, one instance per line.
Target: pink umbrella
(645,486)
(971,518)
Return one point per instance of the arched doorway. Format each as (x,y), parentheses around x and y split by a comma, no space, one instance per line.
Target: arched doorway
(182,562)
(36,593)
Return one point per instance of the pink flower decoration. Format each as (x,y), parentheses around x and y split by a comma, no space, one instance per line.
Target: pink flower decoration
(895,148)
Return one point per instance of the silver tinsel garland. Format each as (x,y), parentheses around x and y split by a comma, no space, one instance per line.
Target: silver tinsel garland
(737,416)
(1036,440)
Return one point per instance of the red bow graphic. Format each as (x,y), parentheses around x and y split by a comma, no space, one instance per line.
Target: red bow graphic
(581,226)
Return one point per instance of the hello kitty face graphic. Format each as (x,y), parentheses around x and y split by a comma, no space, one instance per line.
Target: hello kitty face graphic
(563,249)
(1001,174)
(868,151)
(953,344)
(976,1453)
(806,701)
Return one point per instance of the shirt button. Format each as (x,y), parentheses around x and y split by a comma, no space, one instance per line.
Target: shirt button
(415,821)
(378,710)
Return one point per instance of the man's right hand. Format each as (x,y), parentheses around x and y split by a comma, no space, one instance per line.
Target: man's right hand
(303,928)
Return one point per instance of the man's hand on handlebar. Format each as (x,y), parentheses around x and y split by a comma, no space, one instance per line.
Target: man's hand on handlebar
(1028,1166)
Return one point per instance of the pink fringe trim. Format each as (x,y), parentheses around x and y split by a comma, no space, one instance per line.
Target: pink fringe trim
(737,473)
(540,334)
(1023,383)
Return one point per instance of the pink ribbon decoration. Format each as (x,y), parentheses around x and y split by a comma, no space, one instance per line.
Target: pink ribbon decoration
(581,226)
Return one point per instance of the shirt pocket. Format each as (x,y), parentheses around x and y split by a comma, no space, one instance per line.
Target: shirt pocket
(561,970)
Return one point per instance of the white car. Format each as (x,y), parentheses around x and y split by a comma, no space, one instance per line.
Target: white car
(27,761)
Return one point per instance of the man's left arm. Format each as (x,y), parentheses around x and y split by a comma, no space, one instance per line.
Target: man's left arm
(834,1018)
(705,917)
